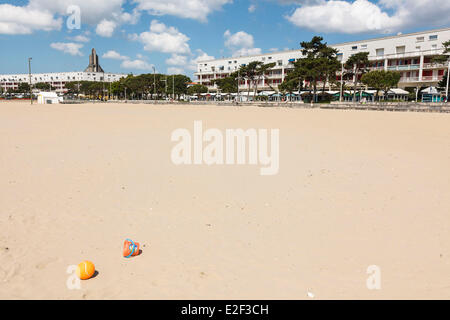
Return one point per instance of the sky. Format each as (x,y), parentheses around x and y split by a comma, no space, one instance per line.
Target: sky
(133,36)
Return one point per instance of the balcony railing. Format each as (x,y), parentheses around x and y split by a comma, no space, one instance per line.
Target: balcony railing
(432,78)
(409,79)
(432,65)
(404,67)
(407,54)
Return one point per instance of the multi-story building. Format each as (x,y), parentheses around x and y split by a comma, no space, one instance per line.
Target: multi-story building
(410,54)
(58,80)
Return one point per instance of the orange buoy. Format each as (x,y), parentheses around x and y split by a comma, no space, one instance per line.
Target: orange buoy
(85,270)
(130,248)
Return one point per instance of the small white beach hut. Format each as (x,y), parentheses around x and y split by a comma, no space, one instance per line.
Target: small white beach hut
(48,98)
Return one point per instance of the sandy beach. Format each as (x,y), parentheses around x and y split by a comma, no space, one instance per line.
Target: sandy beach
(354,189)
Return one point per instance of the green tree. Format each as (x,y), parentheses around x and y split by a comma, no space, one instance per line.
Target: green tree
(444,58)
(137,85)
(357,65)
(253,72)
(118,88)
(319,63)
(249,72)
(261,71)
(180,81)
(391,80)
(443,82)
(228,84)
(45,86)
(197,89)
(381,80)
(24,87)
(292,82)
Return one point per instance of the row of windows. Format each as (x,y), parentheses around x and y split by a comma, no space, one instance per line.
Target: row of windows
(418,39)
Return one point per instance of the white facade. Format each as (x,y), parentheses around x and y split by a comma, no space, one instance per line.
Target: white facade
(57,80)
(409,54)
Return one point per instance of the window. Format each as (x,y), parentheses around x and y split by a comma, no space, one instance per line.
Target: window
(433,37)
(354,47)
(364,46)
(420,39)
(400,49)
(280,62)
(380,52)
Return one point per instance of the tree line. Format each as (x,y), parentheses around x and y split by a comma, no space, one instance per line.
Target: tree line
(143,86)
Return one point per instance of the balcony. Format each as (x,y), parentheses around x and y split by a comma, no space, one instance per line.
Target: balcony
(409,79)
(432,78)
(404,67)
(410,54)
(432,65)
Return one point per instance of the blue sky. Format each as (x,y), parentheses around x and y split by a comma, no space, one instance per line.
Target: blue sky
(171,35)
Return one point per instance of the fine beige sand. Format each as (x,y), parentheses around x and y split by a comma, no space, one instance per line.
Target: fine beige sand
(355,188)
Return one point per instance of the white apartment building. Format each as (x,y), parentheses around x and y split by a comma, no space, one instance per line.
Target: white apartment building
(410,54)
(58,80)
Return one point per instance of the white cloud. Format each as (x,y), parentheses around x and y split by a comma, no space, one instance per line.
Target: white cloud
(128,63)
(80,38)
(344,17)
(136,64)
(239,39)
(68,47)
(201,56)
(48,15)
(25,20)
(192,9)
(384,16)
(174,70)
(240,43)
(252,8)
(307,2)
(247,52)
(165,39)
(92,11)
(419,12)
(111,54)
(106,28)
(177,60)
(126,17)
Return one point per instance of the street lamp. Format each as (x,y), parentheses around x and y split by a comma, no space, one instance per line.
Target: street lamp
(238,84)
(342,82)
(448,77)
(29,71)
(165,81)
(154,81)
